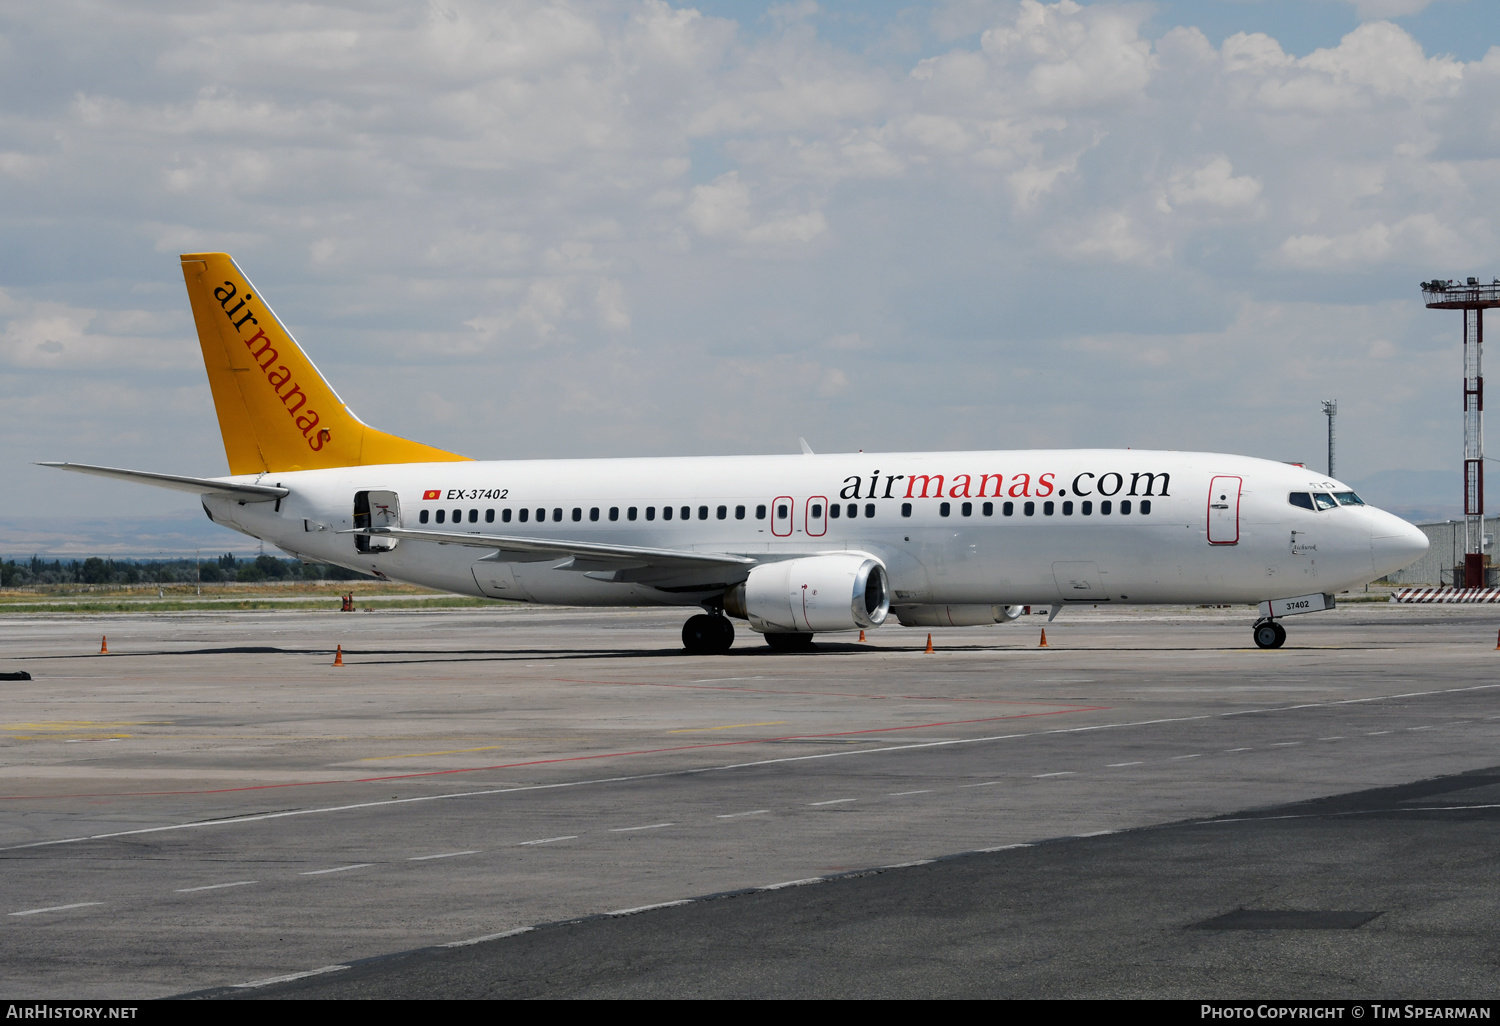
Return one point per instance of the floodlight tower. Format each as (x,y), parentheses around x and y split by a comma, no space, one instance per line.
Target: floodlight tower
(1473,299)
(1331,409)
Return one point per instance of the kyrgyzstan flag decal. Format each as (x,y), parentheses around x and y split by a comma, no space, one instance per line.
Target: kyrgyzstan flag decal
(432,493)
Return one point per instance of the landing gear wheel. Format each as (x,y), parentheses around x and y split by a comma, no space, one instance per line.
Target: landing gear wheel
(706,634)
(1270,634)
(790,642)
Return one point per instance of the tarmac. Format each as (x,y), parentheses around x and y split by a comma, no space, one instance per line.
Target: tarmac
(212,809)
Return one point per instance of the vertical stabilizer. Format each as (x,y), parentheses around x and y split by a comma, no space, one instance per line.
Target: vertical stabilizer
(275,410)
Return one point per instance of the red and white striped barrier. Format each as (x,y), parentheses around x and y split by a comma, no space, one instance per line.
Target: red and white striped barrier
(1423,595)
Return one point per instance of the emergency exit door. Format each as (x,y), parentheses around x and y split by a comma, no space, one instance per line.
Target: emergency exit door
(1224,511)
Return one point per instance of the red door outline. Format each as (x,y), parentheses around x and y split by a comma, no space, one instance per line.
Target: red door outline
(809,521)
(1224,507)
(791,514)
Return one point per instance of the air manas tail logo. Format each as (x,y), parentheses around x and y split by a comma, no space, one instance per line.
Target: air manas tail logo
(280,378)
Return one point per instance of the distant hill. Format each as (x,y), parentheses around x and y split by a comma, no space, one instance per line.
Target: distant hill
(1420,496)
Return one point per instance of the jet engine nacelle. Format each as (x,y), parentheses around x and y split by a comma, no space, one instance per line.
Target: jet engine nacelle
(955,616)
(837,592)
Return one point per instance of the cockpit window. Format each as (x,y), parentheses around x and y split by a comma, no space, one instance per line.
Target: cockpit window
(1348,499)
(1324,500)
(1301,499)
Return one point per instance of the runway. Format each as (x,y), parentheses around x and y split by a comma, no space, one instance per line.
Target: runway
(213,805)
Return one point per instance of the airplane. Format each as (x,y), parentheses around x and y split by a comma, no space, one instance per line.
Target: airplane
(794,545)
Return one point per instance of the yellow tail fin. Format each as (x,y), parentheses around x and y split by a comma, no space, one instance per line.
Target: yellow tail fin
(275,410)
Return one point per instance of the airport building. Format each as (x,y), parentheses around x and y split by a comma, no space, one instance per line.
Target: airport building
(1443,564)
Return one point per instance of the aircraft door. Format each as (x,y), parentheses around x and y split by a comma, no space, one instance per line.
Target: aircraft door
(1224,511)
(781,516)
(375,509)
(815,523)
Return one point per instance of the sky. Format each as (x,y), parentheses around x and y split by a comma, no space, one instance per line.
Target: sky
(635,227)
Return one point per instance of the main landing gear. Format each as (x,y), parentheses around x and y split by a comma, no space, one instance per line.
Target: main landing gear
(1269,634)
(707,634)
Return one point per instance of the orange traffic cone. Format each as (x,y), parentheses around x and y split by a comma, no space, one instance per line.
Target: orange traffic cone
(338,656)
(1043,643)
(103,645)
(862,637)
(929,643)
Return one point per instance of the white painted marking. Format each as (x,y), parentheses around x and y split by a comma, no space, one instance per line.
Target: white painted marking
(1006,847)
(56,908)
(1118,765)
(1060,773)
(1231,751)
(902,794)
(1376,733)
(289,977)
(1419,728)
(1284,744)
(1195,755)
(214,887)
(907,865)
(648,908)
(791,883)
(336,869)
(987,783)
(736,815)
(488,937)
(1337,737)
(444,855)
(1096,833)
(648,826)
(549,840)
(628,778)
(835,801)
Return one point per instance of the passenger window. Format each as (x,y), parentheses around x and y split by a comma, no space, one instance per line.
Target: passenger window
(817,511)
(666,513)
(594,513)
(1009,509)
(473,516)
(1068,508)
(1047,508)
(869,511)
(906,509)
(1124,507)
(702,513)
(458,516)
(577,514)
(722,512)
(760,512)
(781,511)
(651,513)
(1104,508)
(988,509)
(524,514)
(687,512)
(854,510)
(1323,500)
(614,513)
(630,513)
(1088,507)
(739,512)
(834,510)
(944,509)
(1348,499)
(1029,509)
(967,509)
(1301,499)
(422,516)
(505,514)
(1145,506)
(441,516)
(541,516)
(489,516)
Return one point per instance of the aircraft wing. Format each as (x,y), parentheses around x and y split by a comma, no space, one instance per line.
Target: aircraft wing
(586,556)
(196,485)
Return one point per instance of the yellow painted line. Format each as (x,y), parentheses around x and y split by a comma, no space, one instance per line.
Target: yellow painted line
(67,737)
(727,726)
(83,724)
(418,755)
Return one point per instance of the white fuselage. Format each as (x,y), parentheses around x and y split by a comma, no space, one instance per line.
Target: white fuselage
(1188,548)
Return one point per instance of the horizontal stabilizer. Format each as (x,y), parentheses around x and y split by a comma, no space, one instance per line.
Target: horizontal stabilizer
(589,552)
(196,485)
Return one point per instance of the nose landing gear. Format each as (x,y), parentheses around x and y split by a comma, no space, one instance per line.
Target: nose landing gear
(1269,634)
(706,634)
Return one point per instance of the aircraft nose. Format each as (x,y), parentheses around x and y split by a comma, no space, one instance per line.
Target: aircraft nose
(1394,543)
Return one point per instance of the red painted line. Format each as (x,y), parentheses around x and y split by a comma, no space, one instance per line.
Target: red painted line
(819,694)
(541,762)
